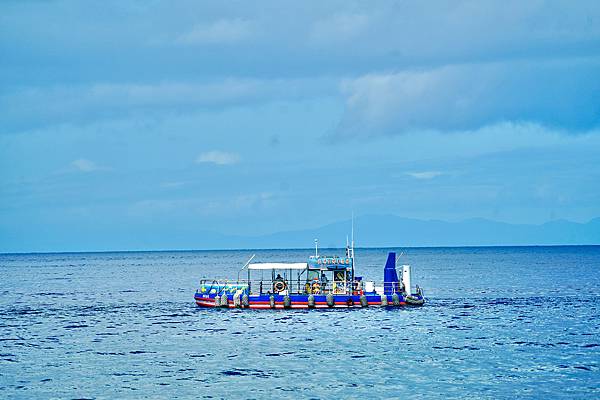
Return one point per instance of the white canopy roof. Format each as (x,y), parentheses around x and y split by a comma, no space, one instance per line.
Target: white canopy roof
(277,266)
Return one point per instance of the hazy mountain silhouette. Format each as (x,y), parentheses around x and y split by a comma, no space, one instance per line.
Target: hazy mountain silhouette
(370,231)
(392,231)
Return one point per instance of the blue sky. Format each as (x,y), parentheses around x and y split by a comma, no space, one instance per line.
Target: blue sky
(119,119)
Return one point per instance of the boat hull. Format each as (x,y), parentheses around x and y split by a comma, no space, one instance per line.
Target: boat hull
(300,301)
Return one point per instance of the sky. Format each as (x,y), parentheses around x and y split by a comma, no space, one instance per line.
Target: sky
(128,119)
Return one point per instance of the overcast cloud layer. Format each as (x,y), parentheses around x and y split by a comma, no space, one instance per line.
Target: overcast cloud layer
(170,117)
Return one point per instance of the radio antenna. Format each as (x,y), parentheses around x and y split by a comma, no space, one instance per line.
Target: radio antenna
(352,233)
(399,255)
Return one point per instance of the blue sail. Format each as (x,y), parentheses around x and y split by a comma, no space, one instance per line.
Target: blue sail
(390,277)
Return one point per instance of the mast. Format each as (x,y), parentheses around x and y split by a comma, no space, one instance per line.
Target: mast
(352,249)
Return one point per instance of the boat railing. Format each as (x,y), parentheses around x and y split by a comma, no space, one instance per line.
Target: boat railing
(291,286)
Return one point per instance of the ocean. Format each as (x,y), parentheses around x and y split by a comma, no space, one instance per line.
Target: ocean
(500,322)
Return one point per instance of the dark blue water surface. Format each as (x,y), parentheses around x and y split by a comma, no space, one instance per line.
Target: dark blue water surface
(500,323)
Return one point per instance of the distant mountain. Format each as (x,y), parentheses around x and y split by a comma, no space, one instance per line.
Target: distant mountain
(370,231)
(391,231)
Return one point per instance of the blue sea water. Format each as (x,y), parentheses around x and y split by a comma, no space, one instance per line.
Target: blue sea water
(499,323)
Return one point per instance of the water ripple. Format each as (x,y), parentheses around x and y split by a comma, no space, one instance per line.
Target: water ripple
(124,325)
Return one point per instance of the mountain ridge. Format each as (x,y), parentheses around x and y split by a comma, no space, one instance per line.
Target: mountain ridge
(384,230)
(374,230)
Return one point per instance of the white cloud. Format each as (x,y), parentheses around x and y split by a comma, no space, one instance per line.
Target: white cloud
(218,157)
(224,31)
(471,96)
(85,165)
(425,174)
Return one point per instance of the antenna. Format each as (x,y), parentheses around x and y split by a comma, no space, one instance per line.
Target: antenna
(245,265)
(399,255)
(352,251)
(352,233)
(316,247)
(347,247)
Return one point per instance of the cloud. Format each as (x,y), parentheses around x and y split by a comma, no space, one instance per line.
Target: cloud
(400,41)
(223,31)
(85,165)
(425,174)
(218,158)
(33,106)
(281,39)
(563,94)
(28,108)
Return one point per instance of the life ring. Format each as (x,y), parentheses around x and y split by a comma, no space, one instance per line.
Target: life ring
(316,287)
(279,286)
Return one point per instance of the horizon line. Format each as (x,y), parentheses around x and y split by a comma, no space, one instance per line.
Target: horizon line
(290,248)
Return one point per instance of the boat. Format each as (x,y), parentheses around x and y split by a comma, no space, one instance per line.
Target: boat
(321,282)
